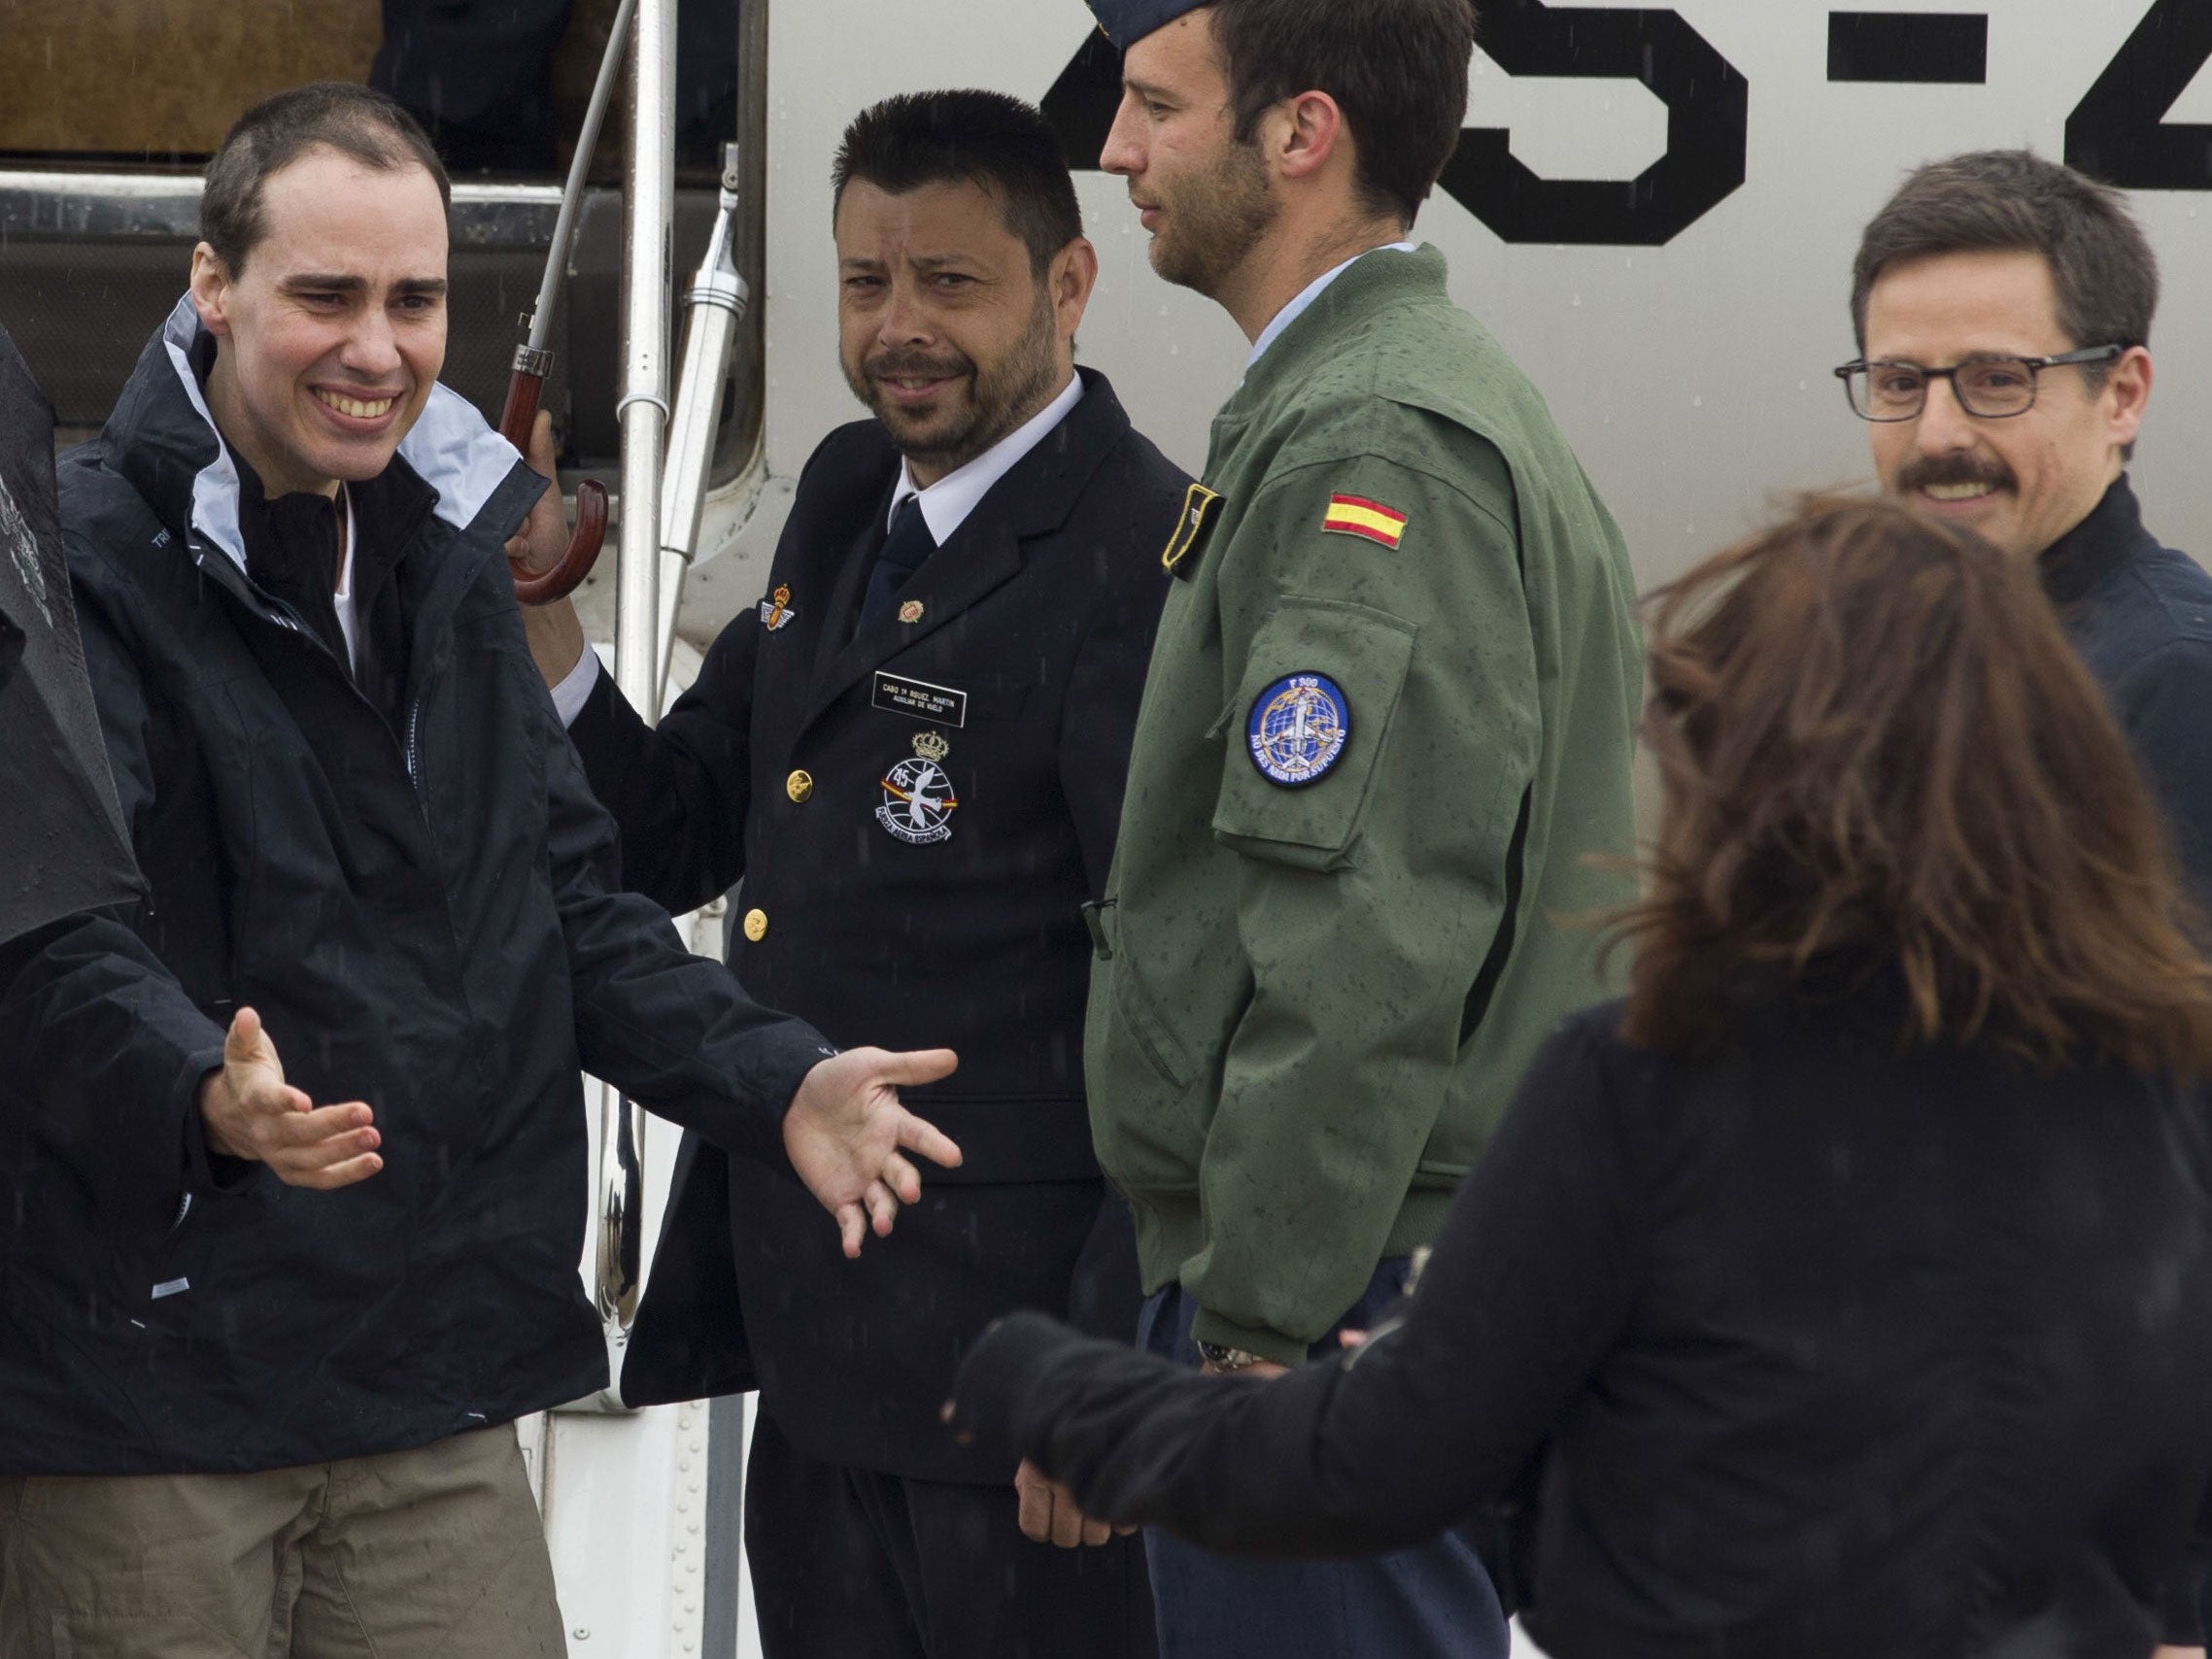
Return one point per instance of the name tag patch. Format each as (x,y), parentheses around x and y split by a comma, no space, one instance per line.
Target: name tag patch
(1298,729)
(940,705)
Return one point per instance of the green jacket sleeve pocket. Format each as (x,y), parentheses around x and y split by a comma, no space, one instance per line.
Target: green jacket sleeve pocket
(1318,670)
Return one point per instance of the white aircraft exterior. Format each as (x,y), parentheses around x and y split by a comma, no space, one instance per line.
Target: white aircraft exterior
(1655,214)
(1688,365)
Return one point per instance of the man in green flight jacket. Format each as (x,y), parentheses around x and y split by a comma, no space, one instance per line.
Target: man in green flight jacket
(1390,717)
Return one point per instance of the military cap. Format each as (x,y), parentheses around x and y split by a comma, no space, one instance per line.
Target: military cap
(1127,22)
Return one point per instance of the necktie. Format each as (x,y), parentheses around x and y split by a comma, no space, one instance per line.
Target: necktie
(905,549)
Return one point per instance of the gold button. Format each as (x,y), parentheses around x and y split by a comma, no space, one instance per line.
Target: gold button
(800,785)
(756,925)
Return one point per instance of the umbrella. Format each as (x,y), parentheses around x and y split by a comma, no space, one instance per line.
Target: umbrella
(63,844)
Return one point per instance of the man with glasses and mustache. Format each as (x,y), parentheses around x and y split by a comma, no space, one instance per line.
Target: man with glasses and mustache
(913,752)
(2003,309)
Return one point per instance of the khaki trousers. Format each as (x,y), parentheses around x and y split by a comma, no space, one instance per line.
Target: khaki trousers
(435,1553)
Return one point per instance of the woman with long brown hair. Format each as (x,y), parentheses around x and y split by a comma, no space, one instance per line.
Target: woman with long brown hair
(1845,1290)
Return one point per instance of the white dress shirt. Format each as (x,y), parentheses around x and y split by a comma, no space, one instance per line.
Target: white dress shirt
(946,506)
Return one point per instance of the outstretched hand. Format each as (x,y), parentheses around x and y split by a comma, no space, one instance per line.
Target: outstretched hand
(250,1112)
(847,1136)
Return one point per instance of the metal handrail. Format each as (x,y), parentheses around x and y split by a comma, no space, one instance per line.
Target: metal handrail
(648,214)
(80,204)
(714,307)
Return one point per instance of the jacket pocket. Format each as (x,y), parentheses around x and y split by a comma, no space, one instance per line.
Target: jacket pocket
(1263,809)
(1152,1036)
(174,1269)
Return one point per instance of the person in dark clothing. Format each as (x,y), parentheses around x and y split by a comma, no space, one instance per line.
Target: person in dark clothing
(1847,1284)
(478,76)
(2003,306)
(58,814)
(1980,269)
(912,752)
(273,1321)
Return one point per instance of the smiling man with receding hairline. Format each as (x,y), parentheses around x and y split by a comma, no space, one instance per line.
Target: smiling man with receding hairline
(269,1322)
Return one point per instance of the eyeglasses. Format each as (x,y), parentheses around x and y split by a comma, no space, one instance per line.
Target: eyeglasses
(1992,388)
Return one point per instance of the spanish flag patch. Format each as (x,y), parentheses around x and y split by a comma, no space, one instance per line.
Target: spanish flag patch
(1357,516)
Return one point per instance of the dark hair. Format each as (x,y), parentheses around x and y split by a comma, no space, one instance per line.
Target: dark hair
(1397,69)
(1880,755)
(986,139)
(2012,201)
(355,120)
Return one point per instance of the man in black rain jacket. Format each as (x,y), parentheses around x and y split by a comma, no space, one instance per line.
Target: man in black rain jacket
(302,1329)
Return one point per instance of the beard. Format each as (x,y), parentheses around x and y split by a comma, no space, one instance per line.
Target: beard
(979,407)
(1213,221)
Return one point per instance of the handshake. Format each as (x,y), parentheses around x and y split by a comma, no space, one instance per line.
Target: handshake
(845,1131)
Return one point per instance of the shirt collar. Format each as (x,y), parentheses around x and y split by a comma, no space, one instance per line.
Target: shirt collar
(946,503)
(2080,560)
(1313,291)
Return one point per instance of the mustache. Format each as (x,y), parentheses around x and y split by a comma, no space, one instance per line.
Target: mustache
(914,365)
(1923,471)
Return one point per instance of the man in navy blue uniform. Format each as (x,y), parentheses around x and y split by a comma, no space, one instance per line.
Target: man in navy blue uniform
(913,752)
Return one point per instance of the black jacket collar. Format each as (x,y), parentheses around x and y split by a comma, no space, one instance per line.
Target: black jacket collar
(1033,499)
(161,440)
(2085,556)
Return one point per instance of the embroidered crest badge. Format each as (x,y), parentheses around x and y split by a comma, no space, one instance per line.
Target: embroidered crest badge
(918,799)
(775,610)
(1298,729)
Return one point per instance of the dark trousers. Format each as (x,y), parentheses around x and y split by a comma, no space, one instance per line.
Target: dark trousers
(850,1564)
(1434,1601)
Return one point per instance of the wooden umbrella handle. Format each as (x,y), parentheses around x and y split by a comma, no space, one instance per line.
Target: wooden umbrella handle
(524,386)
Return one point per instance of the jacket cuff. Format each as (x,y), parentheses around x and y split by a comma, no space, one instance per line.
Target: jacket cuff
(792,1052)
(997,1380)
(1207,1326)
(2181,1621)
(207,1172)
(575,689)
(602,722)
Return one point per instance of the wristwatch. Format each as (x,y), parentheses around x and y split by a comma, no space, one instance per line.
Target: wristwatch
(1226,1359)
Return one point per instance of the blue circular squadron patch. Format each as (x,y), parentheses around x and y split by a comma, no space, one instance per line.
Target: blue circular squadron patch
(1298,728)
